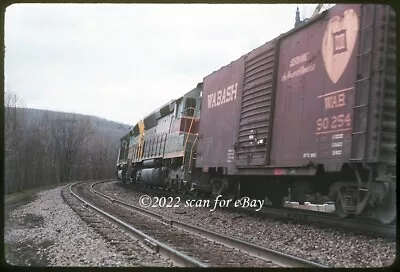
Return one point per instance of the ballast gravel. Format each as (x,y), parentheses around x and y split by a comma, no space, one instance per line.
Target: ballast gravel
(58,237)
(323,245)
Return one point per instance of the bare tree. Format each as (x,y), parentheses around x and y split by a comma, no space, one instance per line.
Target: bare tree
(102,157)
(69,135)
(49,148)
(14,124)
(51,168)
(35,164)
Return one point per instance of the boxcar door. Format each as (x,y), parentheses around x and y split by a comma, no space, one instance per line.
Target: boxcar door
(256,109)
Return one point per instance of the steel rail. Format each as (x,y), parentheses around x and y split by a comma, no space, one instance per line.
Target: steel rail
(177,257)
(364,226)
(282,259)
(368,227)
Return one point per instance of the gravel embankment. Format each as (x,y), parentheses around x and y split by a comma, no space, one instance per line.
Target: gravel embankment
(324,245)
(48,232)
(205,251)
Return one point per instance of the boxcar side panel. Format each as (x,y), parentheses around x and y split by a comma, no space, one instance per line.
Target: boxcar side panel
(314,90)
(220,111)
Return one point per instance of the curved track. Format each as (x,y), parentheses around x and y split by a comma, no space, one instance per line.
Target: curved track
(357,226)
(178,257)
(281,259)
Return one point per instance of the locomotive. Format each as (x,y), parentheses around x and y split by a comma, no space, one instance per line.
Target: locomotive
(310,113)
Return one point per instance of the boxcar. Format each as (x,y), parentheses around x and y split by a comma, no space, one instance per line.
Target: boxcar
(310,115)
(312,112)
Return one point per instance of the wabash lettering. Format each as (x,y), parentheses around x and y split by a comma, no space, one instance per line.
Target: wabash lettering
(223,96)
(335,101)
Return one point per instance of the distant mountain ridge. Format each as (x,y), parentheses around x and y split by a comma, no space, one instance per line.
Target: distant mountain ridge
(112,129)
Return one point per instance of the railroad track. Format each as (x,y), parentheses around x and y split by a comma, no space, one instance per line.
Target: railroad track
(262,253)
(177,257)
(356,226)
(360,226)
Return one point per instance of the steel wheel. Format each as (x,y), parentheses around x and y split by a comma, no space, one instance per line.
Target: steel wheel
(339,210)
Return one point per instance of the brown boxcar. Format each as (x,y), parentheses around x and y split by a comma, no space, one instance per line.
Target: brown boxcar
(316,100)
(310,114)
(335,90)
(252,147)
(221,98)
(299,100)
(315,88)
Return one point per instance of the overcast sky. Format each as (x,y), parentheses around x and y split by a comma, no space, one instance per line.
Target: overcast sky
(120,62)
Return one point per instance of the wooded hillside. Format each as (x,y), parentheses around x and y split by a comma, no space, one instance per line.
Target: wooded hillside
(46,147)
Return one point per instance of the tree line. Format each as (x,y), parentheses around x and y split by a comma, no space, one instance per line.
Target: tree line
(55,148)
